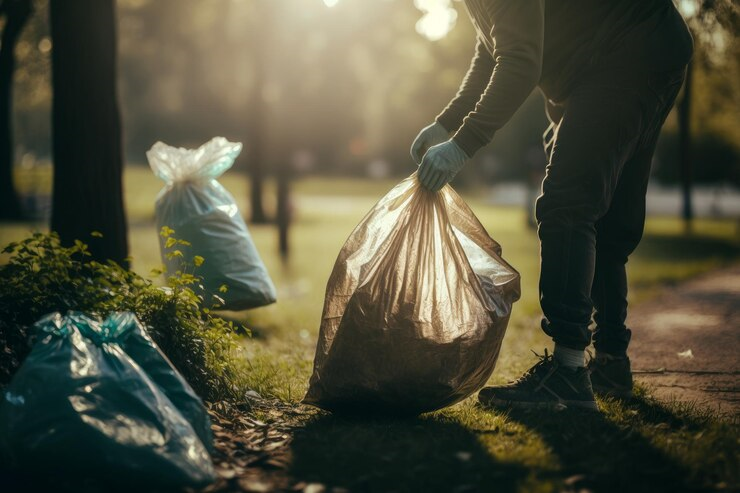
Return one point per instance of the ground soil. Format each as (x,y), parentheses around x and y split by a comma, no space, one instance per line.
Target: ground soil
(686,341)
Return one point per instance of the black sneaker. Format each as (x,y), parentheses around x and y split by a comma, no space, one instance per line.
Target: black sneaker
(546,385)
(611,375)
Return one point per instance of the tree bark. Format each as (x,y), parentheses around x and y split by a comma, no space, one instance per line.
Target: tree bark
(88,156)
(283,208)
(16,14)
(684,132)
(256,145)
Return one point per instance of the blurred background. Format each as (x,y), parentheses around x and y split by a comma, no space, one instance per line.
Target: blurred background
(341,87)
(327,96)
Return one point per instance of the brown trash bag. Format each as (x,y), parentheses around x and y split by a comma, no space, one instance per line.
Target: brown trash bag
(415,310)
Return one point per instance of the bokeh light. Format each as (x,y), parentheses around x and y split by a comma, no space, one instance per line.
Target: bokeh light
(439,18)
(688,8)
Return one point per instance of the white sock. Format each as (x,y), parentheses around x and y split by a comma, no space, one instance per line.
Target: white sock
(570,358)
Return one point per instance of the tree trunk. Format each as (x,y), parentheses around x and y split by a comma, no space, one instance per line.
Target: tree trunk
(684,132)
(256,147)
(258,116)
(16,14)
(88,156)
(283,208)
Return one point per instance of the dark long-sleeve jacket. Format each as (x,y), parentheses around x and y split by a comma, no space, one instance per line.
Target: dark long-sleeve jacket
(554,43)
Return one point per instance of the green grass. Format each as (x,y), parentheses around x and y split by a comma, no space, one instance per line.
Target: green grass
(641,446)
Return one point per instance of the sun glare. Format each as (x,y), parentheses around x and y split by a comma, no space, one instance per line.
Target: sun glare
(688,8)
(439,18)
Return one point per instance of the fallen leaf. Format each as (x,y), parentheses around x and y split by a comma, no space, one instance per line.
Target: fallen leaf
(255,485)
(226,473)
(575,479)
(686,354)
(251,394)
(276,463)
(314,488)
(463,456)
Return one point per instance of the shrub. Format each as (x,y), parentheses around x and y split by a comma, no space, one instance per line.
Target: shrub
(43,276)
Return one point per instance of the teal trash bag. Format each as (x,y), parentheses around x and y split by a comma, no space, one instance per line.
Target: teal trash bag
(81,406)
(204,214)
(136,342)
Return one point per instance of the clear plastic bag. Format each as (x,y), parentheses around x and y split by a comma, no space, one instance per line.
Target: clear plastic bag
(81,405)
(203,213)
(415,310)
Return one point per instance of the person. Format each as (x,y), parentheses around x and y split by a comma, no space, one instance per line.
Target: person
(610,71)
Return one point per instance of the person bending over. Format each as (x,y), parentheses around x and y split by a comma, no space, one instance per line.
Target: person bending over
(610,71)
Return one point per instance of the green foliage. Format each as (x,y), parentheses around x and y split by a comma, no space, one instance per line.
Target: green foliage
(43,276)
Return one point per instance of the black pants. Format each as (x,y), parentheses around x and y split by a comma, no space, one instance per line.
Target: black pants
(591,213)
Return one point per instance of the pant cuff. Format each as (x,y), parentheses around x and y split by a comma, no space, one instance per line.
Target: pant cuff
(569,335)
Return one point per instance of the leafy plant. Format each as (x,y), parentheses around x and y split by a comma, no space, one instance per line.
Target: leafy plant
(43,276)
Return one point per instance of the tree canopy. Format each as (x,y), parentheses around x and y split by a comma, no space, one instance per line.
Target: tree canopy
(345,88)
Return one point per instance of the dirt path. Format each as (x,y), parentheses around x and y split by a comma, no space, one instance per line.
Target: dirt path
(686,342)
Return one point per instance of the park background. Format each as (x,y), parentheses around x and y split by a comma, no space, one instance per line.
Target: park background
(327,96)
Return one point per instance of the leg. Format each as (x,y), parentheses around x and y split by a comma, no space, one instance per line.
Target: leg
(601,157)
(597,135)
(617,235)
(619,232)
(599,130)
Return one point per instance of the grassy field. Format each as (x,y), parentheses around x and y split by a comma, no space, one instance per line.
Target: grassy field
(640,446)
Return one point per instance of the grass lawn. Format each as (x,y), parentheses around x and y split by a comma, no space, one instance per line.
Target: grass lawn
(641,446)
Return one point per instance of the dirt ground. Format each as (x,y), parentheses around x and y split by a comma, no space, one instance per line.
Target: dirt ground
(685,346)
(686,341)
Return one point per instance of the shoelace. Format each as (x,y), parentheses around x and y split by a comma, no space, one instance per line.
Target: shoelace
(532,372)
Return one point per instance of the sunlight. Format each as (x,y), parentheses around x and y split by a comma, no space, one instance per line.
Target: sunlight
(688,8)
(330,3)
(439,18)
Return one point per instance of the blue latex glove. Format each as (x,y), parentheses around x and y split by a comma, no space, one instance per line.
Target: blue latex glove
(440,165)
(429,136)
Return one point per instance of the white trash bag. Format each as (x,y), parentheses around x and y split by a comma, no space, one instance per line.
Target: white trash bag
(203,213)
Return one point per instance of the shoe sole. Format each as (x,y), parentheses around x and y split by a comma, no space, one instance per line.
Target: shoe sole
(551,406)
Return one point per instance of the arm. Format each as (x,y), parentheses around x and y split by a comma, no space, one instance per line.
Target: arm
(451,118)
(518,34)
(473,85)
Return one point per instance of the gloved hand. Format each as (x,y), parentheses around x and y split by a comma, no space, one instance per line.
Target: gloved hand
(440,165)
(429,136)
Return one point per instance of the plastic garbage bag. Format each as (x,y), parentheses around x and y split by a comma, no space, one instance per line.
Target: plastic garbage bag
(136,342)
(204,214)
(81,405)
(415,309)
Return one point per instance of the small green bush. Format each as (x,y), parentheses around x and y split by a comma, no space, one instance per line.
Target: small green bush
(43,276)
